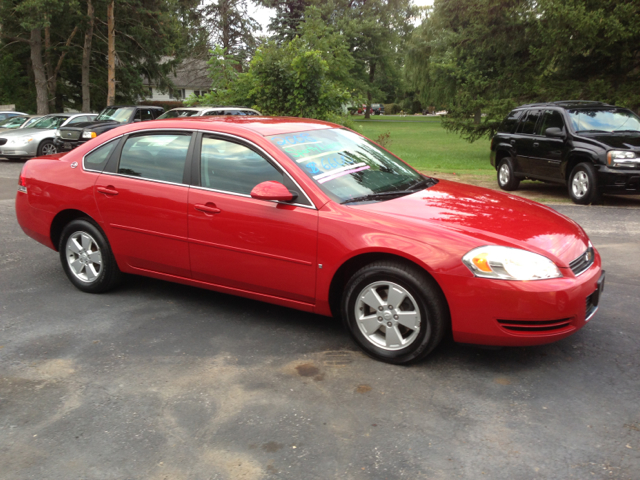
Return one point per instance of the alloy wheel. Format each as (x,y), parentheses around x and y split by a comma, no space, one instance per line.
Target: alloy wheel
(504,174)
(580,184)
(387,315)
(84,257)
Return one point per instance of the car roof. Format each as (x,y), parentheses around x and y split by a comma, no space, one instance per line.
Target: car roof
(264,126)
(569,104)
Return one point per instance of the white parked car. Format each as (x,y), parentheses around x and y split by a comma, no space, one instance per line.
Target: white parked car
(205,111)
(37,138)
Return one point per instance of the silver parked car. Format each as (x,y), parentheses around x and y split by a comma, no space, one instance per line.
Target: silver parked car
(21,121)
(206,111)
(37,139)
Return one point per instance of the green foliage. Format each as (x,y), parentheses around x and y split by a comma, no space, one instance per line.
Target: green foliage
(392,108)
(15,87)
(481,58)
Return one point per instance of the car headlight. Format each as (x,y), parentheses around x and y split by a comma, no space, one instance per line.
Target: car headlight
(622,158)
(21,141)
(506,263)
(89,134)
(57,134)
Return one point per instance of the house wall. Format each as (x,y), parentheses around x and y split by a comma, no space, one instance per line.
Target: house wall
(158,96)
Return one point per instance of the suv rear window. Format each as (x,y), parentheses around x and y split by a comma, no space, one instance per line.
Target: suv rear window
(510,123)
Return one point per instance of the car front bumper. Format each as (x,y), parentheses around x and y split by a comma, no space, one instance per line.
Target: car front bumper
(17,152)
(67,145)
(521,313)
(622,181)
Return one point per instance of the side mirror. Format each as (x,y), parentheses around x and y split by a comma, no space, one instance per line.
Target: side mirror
(272,190)
(554,132)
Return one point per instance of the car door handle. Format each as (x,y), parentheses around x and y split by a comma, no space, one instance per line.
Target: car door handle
(536,144)
(209,208)
(513,142)
(110,190)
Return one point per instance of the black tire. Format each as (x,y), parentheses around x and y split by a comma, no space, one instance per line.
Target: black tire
(506,177)
(583,184)
(428,298)
(47,147)
(98,278)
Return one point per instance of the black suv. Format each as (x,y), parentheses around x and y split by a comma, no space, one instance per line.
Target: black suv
(591,147)
(68,138)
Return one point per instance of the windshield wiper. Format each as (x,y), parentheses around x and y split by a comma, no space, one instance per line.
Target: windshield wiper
(626,131)
(592,131)
(420,185)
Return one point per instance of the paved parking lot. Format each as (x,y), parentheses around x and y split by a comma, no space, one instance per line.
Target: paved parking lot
(164,381)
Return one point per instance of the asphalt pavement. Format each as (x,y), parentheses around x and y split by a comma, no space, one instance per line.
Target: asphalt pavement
(163,381)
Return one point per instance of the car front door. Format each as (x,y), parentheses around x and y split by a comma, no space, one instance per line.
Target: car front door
(252,245)
(142,197)
(549,151)
(524,140)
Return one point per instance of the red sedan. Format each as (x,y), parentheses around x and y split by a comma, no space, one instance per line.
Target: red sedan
(313,216)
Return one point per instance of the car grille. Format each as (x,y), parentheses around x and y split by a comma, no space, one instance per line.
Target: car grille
(69,134)
(3,141)
(583,262)
(535,326)
(591,308)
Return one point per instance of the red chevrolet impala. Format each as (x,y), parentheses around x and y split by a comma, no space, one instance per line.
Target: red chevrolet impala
(313,216)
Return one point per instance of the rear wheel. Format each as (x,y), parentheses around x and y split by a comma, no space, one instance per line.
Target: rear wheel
(47,147)
(87,258)
(506,177)
(395,312)
(583,186)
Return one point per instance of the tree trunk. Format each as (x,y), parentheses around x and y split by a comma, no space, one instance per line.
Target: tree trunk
(477,116)
(86,59)
(42,99)
(111,75)
(372,73)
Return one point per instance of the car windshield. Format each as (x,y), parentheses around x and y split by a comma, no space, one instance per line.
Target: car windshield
(13,122)
(604,121)
(348,167)
(178,113)
(120,115)
(46,123)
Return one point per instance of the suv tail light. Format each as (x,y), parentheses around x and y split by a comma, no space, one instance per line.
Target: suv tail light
(22,184)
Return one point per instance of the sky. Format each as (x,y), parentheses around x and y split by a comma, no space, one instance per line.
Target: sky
(263,15)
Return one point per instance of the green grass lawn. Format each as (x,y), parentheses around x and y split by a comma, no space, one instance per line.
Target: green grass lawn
(424,144)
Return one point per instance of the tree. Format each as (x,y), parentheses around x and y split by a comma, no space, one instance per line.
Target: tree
(480,58)
(289,15)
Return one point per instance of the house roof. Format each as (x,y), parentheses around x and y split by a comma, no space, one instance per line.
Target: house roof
(191,73)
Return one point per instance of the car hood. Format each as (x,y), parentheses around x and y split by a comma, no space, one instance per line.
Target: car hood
(93,125)
(491,217)
(33,132)
(616,140)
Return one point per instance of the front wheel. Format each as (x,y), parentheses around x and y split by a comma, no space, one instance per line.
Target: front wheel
(86,257)
(395,312)
(47,147)
(583,186)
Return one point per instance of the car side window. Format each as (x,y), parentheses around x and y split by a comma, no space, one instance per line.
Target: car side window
(551,119)
(213,112)
(146,114)
(155,156)
(528,125)
(231,167)
(511,122)
(97,159)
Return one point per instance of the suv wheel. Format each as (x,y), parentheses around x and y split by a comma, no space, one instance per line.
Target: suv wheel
(583,186)
(395,312)
(506,178)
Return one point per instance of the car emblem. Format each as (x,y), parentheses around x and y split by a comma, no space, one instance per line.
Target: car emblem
(587,257)
(68,134)
(74,164)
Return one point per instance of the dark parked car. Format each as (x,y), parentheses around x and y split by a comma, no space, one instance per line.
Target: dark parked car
(69,138)
(590,147)
(377,109)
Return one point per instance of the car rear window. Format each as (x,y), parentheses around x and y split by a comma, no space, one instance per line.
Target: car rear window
(155,157)
(510,123)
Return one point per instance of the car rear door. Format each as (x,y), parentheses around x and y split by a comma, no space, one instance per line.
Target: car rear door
(142,197)
(257,246)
